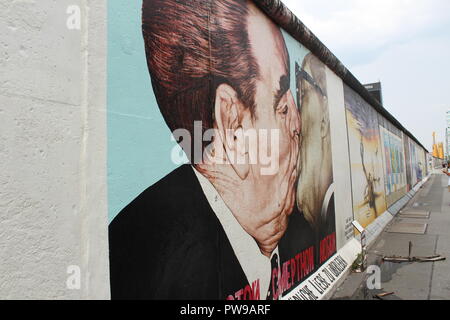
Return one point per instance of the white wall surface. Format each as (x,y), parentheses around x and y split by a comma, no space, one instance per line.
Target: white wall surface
(53,210)
(341,159)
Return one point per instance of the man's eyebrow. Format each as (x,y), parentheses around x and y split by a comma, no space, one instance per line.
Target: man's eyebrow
(285,83)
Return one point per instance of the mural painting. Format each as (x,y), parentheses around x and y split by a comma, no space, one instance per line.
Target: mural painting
(366,158)
(221,183)
(251,214)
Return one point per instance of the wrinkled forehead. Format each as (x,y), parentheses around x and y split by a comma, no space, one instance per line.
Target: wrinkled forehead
(268,45)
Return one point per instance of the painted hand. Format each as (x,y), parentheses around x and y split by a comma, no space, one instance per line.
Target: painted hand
(261,204)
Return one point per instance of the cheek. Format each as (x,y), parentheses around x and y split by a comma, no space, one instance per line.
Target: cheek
(285,146)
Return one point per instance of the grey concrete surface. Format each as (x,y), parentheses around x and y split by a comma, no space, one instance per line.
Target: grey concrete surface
(53,150)
(411,281)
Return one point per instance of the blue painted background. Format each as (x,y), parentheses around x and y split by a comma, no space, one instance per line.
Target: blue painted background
(139,142)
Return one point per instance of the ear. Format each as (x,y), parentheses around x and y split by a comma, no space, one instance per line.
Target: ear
(228,112)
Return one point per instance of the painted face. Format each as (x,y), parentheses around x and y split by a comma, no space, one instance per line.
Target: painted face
(313,107)
(315,170)
(275,106)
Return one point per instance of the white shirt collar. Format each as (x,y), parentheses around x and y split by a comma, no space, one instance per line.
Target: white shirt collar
(253,262)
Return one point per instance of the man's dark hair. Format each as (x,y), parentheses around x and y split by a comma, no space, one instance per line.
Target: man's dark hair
(192,47)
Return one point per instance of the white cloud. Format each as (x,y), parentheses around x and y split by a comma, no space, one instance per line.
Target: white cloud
(360,25)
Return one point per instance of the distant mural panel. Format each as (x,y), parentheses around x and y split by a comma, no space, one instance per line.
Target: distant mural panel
(406,148)
(366,159)
(415,169)
(422,163)
(394,166)
(418,163)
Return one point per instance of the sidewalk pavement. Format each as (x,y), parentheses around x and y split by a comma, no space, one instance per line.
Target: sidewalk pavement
(411,281)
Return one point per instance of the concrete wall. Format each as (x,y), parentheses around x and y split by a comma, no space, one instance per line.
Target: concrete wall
(65,143)
(53,210)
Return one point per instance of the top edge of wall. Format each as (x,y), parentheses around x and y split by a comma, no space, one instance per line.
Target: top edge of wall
(284,17)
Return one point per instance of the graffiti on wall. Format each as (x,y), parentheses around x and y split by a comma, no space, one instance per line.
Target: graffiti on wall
(251,215)
(366,158)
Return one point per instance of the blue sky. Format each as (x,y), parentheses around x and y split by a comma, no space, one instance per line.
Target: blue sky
(403,43)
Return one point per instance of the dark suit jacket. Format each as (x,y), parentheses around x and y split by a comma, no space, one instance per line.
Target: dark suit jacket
(169,244)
